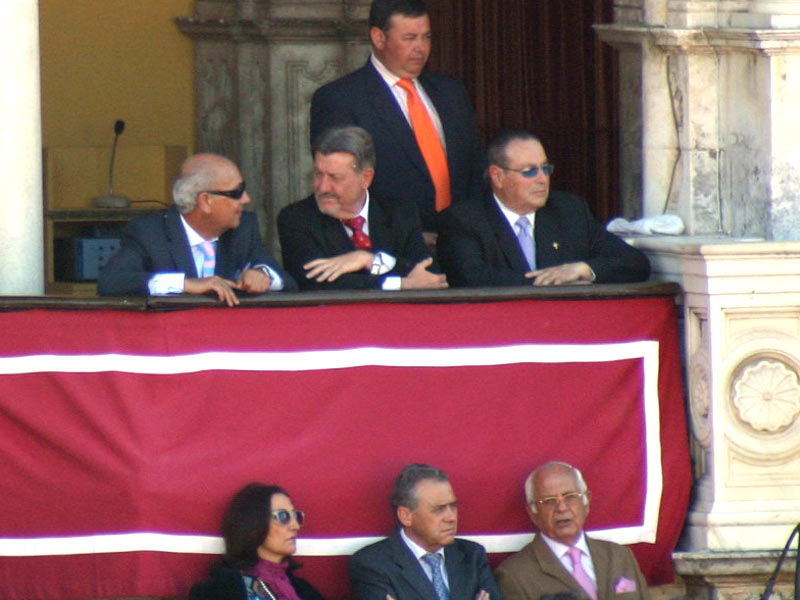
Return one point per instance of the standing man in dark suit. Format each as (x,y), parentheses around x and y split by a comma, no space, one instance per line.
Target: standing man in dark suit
(422,559)
(384,96)
(205,244)
(561,559)
(523,234)
(344,237)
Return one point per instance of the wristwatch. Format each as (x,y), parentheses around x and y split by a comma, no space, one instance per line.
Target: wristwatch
(378,266)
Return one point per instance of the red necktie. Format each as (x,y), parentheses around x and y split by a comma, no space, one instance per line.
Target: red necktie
(429,144)
(360,239)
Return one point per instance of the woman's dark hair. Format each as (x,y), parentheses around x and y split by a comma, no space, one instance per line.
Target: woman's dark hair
(246,524)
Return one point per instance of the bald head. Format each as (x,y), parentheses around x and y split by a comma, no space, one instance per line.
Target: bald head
(198,173)
(209,193)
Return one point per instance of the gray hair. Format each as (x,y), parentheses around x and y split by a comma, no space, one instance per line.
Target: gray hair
(404,492)
(350,139)
(187,186)
(530,491)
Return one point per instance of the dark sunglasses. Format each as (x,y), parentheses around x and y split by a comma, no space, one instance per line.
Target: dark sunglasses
(284,516)
(235,193)
(531,172)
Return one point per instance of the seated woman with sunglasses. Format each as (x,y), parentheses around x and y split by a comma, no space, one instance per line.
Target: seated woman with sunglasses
(260,530)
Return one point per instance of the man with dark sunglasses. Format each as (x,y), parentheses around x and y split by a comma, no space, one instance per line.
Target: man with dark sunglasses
(523,234)
(206,243)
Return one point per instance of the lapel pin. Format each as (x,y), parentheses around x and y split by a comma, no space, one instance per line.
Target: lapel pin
(555,246)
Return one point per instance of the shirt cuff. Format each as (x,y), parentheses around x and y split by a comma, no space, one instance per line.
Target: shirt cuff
(392,283)
(382,263)
(276,281)
(162,284)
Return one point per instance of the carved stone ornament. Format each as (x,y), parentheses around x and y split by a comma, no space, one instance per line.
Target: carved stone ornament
(700,397)
(766,395)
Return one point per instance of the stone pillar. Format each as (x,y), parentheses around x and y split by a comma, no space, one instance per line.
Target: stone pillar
(718,117)
(21,228)
(257,64)
(717,120)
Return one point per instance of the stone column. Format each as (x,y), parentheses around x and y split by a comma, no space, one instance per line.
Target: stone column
(715,111)
(21,228)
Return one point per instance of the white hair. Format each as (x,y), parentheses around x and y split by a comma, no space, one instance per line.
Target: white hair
(530,491)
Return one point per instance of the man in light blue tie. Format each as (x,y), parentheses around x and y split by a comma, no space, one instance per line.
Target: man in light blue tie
(423,559)
(206,243)
(524,234)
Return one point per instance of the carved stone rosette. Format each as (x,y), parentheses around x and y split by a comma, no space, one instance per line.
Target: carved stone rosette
(766,395)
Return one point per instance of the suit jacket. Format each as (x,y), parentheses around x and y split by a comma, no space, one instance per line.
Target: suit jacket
(362,98)
(157,243)
(535,570)
(478,247)
(306,234)
(389,567)
(226,583)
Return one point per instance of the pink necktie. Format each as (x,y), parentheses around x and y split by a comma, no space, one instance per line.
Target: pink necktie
(580,575)
(209,259)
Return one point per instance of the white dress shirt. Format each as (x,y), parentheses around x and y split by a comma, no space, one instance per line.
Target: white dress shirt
(162,284)
(418,552)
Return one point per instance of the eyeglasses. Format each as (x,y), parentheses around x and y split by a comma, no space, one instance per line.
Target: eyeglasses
(283,516)
(235,193)
(570,498)
(531,172)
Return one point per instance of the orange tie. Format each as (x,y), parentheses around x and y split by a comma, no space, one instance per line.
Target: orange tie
(429,144)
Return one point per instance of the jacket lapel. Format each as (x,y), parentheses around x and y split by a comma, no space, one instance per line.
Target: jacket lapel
(602,569)
(411,570)
(334,236)
(457,575)
(178,243)
(548,239)
(551,565)
(505,237)
(380,226)
(388,112)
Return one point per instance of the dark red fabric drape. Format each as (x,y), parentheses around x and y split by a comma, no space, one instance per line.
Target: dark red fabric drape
(538,64)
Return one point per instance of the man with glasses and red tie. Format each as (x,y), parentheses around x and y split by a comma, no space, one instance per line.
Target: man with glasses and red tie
(206,243)
(562,561)
(522,233)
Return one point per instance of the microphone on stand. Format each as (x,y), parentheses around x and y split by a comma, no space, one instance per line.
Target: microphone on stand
(781,558)
(111,200)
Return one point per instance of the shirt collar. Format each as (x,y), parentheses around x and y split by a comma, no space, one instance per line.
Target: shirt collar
(193,237)
(511,216)
(389,77)
(560,549)
(417,550)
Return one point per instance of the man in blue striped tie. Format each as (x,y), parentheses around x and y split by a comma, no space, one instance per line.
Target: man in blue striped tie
(423,558)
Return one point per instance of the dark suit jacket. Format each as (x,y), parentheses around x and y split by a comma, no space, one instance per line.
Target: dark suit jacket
(389,567)
(157,243)
(535,570)
(227,584)
(362,98)
(306,234)
(477,246)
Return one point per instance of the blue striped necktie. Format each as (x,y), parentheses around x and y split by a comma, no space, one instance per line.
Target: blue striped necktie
(209,259)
